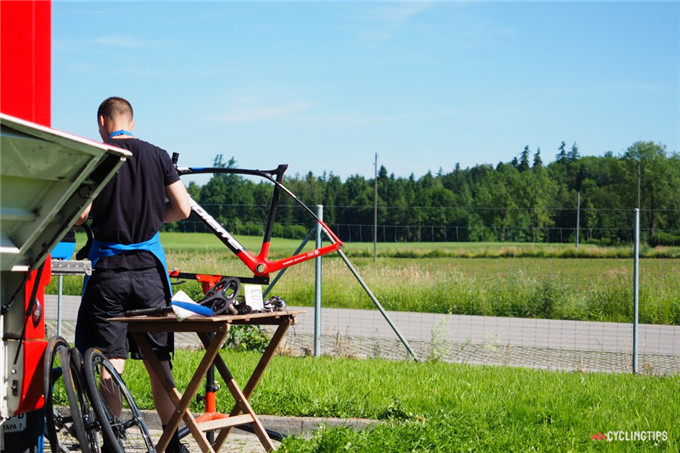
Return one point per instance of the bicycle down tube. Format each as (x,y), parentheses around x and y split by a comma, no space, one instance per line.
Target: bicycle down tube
(260,264)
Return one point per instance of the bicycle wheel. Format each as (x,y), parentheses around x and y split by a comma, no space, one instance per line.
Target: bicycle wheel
(93,429)
(122,424)
(63,416)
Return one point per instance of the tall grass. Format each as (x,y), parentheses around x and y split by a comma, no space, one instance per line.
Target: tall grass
(598,290)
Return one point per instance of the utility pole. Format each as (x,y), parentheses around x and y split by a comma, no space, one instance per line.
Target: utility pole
(375,210)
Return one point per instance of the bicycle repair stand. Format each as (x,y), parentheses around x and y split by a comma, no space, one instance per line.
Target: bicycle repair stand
(211,412)
(210,398)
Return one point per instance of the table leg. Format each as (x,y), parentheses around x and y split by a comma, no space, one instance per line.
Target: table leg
(182,401)
(257,375)
(241,402)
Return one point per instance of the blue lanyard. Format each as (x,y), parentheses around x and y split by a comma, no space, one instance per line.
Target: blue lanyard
(120,132)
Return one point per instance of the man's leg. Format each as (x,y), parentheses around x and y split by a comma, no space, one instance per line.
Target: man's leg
(162,401)
(164,404)
(109,391)
(150,289)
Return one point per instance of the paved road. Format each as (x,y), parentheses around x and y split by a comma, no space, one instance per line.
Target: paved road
(573,345)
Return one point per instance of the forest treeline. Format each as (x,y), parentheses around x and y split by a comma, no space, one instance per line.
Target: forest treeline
(519,200)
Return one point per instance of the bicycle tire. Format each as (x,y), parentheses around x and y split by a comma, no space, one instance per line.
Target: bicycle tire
(64,425)
(123,431)
(93,428)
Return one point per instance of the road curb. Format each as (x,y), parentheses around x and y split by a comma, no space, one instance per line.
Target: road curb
(288,426)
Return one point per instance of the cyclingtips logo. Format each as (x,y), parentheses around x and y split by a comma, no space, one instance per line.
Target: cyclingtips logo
(631,436)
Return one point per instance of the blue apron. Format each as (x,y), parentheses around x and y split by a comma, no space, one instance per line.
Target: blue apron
(102,249)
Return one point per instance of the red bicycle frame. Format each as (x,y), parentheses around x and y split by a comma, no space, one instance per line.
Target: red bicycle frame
(259,264)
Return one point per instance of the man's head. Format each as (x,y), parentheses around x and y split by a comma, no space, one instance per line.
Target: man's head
(114,113)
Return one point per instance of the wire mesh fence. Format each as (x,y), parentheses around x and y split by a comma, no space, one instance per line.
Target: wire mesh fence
(573,314)
(538,343)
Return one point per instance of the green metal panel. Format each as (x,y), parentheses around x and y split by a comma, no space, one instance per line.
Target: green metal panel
(47,178)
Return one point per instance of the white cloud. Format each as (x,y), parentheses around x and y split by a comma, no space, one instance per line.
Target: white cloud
(126,42)
(402,12)
(360,118)
(83,67)
(389,19)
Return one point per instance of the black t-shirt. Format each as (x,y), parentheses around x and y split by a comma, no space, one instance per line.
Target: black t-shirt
(131,206)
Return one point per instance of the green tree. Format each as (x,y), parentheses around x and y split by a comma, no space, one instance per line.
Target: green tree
(524,160)
(194,190)
(538,162)
(562,154)
(229,197)
(512,201)
(573,154)
(496,200)
(648,170)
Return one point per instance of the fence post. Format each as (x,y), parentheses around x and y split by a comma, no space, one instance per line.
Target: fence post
(60,289)
(636,289)
(317,287)
(578,216)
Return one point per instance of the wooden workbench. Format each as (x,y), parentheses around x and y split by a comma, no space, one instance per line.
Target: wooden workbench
(213,332)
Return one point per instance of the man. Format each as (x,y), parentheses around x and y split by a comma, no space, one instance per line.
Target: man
(129,270)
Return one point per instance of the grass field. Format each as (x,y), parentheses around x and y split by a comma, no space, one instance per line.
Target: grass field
(540,281)
(279,247)
(443,407)
(204,242)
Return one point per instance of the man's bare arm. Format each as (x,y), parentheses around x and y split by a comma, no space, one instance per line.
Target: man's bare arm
(177,207)
(83,217)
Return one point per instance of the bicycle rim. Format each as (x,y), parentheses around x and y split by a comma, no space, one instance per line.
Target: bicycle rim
(64,425)
(122,424)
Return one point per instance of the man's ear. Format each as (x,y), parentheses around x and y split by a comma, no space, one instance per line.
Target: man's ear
(101,120)
(132,125)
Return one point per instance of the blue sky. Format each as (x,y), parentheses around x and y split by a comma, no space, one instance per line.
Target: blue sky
(323,86)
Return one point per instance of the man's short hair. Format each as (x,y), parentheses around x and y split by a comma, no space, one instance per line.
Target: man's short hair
(114,107)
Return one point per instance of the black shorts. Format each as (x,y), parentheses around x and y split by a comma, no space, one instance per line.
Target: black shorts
(108,294)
